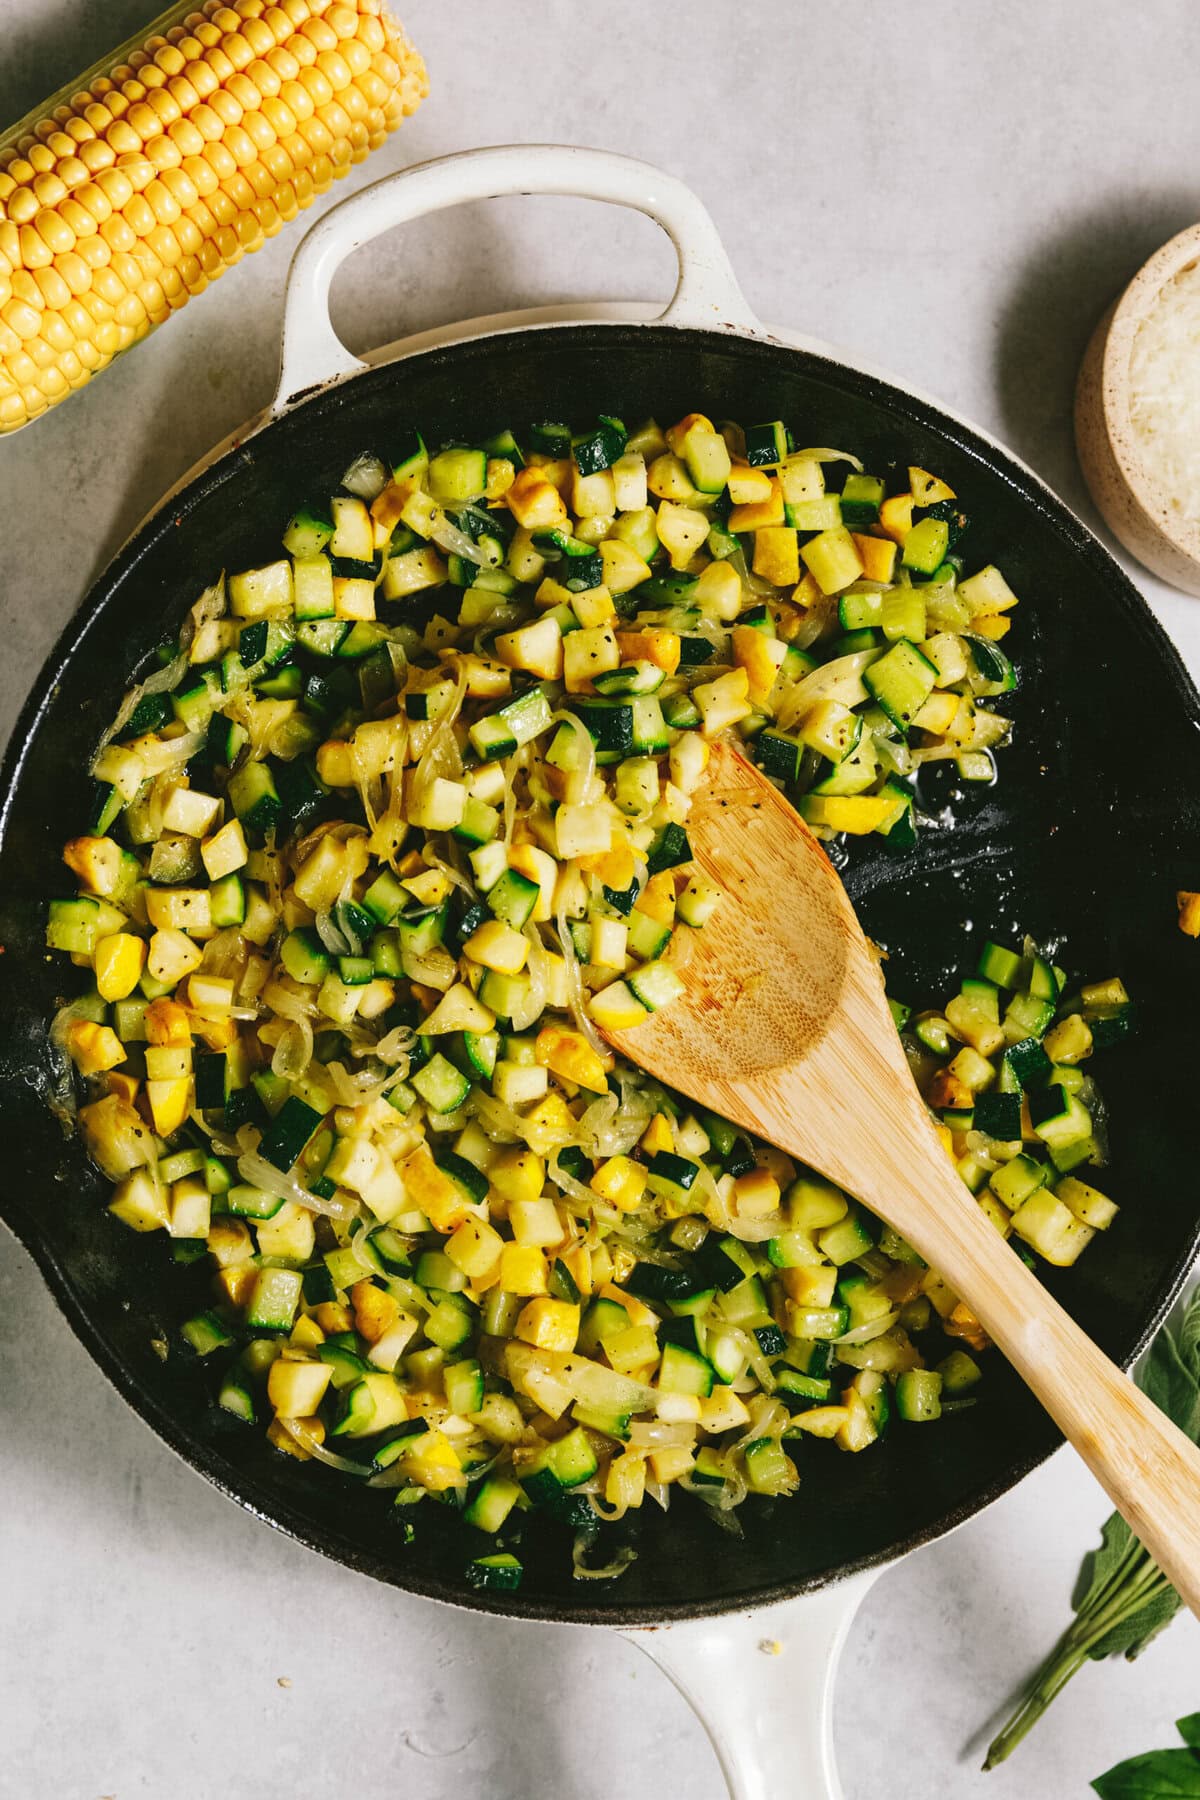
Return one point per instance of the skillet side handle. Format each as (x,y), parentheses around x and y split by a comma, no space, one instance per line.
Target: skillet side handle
(768,1711)
(707,295)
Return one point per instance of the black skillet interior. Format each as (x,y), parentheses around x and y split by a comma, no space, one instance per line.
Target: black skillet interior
(1073,845)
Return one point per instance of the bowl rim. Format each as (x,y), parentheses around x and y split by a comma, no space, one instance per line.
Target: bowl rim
(1135,304)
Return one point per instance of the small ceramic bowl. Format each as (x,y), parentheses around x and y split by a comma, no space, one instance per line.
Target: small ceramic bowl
(1134,506)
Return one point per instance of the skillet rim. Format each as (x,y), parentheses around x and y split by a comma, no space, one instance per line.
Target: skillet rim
(1028,487)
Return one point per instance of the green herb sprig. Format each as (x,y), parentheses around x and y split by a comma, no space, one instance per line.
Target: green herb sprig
(1122,1598)
(1160,1774)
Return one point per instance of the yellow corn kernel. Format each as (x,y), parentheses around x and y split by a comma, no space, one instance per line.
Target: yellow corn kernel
(145,185)
(94,1048)
(549,1324)
(118,961)
(621,1181)
(658,1135)
(523,1270)
(568,1055)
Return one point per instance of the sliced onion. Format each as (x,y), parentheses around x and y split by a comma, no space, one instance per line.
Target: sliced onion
(580,778)
(840,679)
(862,1334)
(658,1491)
(658,1434)
(396,1046)
(367,477)
(61,1093)
(447,536)
(331,936)
(756,1231)
(590,1203)
(259,1173)
(610,1570)
(824,456)
(295,1428)
(575,998)
(294,1051)
(210,605)
(534,1004)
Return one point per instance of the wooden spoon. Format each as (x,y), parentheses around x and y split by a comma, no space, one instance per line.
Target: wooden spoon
(785,1029)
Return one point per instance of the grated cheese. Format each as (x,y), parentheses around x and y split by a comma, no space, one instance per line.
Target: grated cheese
(1165,392)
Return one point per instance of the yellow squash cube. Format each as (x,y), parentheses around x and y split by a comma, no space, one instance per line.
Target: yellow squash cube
(777,555)
(568,1055)
(475,1248)
(118,960)
(94,1048)
(621,1181)
(549,1324)
(296,1389)
(523,1270)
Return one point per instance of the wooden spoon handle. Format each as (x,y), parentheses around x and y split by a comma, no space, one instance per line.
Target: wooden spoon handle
(1147,1466)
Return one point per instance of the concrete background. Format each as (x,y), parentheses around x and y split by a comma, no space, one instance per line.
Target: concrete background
(951,191)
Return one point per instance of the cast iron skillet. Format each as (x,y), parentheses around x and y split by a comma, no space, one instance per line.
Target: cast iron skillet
(1080,837)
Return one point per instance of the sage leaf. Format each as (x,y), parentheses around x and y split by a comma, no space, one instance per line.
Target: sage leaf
(1160,1774)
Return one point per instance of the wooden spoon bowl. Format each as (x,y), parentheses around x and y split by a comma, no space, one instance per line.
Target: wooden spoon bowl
(785,1029)
(1135,507)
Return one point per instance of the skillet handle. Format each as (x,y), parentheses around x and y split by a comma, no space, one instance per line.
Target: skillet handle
(707,295)
(767,1710)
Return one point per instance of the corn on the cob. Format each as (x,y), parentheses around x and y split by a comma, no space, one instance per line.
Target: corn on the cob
(166,165)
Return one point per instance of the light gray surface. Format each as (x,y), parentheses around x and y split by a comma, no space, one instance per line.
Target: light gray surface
(952,191)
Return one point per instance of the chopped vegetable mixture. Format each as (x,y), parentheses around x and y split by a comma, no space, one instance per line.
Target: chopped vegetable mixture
(399,820)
